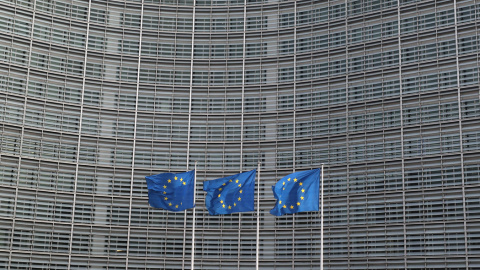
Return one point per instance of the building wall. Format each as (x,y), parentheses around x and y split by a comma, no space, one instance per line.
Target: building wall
(94,95)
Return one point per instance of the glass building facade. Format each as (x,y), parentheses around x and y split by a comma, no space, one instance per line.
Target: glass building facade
(95,95)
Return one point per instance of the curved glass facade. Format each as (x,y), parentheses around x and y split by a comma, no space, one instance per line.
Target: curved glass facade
(95,95)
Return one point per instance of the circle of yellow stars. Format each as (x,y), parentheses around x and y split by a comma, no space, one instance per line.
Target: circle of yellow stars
(282,204)
(169,181)
(239,199)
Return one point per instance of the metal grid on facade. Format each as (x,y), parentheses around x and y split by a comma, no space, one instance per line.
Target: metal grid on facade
(94,95)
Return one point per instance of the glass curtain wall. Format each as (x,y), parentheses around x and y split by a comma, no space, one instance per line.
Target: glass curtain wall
(95,95)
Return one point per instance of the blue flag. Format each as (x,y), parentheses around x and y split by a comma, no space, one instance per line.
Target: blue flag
(297,192)
(231,194)
(171,191)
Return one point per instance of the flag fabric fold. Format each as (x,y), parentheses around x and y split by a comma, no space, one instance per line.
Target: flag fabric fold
(297,192)
(231,194)
(171,191)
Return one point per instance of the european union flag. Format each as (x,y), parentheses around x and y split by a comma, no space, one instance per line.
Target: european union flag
(297,192)
(171,191)
(231,194)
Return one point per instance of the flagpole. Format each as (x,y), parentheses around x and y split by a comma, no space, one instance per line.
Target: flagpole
(193,222)
(258,218)
(321,221)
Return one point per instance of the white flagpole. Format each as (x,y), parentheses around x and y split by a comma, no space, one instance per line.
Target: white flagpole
(258,218)
(321,220)
(193,222)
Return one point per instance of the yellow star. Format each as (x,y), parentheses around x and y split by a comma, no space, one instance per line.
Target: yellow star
(283,188)
(280,202)
(295,180)
(230,181)
(298,203)
(239,199)
(170,204)
(236,181)
(184,183)
(169,181)
(181,179)
(221,201)
(223,205)
(220,189)
(241,191)
(284,183)
(289,179)
(234,204)
(224,184)
(176,178)
(176,206)
(303,190)
(291,206)
(229,207)
(164,192)
(239,185)
(301,198)
(301,184)
(219,195)
(164,186)
(166,198)
(284,206)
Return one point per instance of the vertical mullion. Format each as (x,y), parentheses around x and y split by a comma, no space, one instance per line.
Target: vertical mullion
(457,62)
(190,86)
(243,81)
(347,128)
(294,116)
(399,37)
(77,159)
(189,134)
(22,134)
(134,133)
(294,83)
(242,122)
